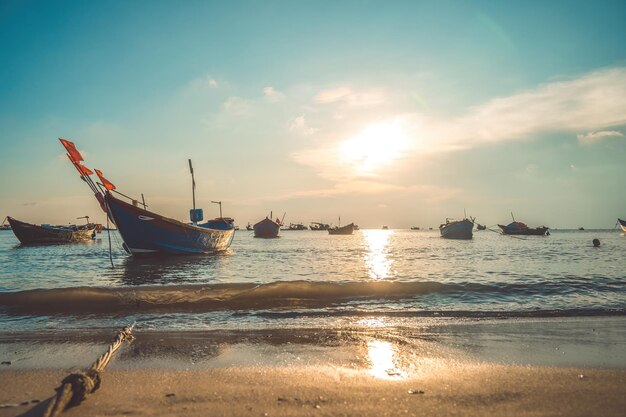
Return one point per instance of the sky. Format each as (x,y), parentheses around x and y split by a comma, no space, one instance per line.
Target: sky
(398,113)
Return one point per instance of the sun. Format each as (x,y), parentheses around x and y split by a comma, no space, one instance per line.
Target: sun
(376,147)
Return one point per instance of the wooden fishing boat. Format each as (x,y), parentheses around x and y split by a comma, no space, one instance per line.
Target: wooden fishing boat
(296,226)
(319,226)
(519,228)
(622,224)
(148,233)
(415,228)
(267,228)
(457,229)
(29,234)
(145,232)
(343,230)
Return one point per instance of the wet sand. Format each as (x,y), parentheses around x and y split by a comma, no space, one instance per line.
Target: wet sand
(360,371)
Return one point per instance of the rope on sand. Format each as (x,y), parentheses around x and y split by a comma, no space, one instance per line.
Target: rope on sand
(78,385)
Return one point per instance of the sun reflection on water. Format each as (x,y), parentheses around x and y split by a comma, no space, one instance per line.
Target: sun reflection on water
(377,257)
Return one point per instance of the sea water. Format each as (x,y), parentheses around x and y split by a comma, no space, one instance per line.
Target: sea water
(312,279)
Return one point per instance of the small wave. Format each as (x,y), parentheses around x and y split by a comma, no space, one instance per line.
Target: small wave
(205,298)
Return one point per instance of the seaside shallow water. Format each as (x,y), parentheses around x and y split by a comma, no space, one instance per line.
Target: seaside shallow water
(310,278)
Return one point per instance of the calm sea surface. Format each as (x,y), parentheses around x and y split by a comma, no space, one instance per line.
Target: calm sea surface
(311,278)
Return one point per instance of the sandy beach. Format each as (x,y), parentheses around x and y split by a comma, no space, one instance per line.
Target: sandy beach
(353,372)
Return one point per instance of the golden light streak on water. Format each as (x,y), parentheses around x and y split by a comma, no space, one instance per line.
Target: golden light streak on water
(377,257)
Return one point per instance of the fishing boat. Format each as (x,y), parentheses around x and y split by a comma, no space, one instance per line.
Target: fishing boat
(457,229)
(319,226)
(480,226)
(341,230)
(385,227)
(5,225)
(249,226)
(415,228)
(296,226)
(267,228)
(148,233)
(29,234)
(519,228)
(622,224)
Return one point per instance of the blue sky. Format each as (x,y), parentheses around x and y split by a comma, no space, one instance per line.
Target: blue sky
(398,113)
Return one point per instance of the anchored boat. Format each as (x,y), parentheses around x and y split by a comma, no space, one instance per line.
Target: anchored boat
(519,228)
(457,229)
(148,233)
(29,234)
(267,228)
(342,230)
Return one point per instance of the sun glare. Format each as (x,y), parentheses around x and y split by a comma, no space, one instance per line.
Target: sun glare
(377,257)
(375,147)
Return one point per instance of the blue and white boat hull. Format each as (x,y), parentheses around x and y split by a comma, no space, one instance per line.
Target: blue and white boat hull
(146,233)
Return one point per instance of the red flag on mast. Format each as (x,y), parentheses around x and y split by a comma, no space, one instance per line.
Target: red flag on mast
(107,184)
(83,169)
(75,156)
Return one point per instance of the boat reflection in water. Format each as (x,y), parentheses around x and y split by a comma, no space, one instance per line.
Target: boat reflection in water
(183,270)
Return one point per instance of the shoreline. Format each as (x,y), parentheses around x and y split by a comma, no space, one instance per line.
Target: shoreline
(497,367)
(463,390)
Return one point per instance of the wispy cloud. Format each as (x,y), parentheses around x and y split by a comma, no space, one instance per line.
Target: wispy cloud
(588,103)
(272,95)
(349,97)
(593,137)
(594,101)
(301,126)
(332,95)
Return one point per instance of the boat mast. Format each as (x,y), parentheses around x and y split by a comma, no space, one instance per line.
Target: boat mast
(193,186)
(220,203)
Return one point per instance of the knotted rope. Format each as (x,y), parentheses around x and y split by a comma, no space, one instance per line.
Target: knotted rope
(78,385)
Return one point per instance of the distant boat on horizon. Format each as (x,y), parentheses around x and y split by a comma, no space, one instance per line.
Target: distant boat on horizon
(622,224)
(4,226)
(457,229)
(316,226)
(519,228)
(295,226)
(415,228)
(267,228)
(341,230)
